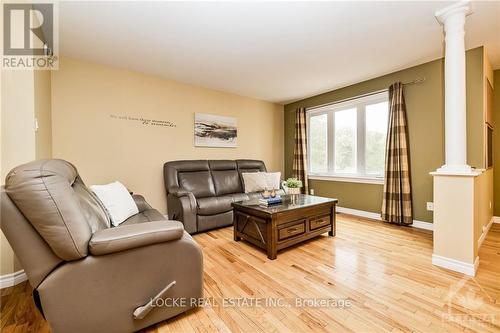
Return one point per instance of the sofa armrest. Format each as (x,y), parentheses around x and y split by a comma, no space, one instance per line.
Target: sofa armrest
(127,237)
(141,203)
(179,193)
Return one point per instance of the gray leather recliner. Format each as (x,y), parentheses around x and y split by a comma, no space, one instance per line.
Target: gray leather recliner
(200,193)
(86,276)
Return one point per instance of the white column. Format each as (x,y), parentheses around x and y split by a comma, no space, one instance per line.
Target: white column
(453,20)
(455,246)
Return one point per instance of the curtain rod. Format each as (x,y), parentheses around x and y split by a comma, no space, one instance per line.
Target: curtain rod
(416,81)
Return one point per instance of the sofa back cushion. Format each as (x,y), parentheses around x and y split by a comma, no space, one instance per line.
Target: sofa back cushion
(246,166)
(54,199)
(225,176)
(35,255)
(198,182)
(190,175)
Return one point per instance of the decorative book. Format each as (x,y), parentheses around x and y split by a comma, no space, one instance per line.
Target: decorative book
(270,201)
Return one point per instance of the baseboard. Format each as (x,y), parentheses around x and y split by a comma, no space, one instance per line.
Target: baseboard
(9,280)
(376,216)
(361,213)
(456,265)
(422,225)
(485,232)
(496,219)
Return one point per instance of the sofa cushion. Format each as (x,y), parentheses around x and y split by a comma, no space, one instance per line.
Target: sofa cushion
(214,205)
(220,165)
(246,166)
(222,204)
(251,165)
(44,191)
(199,183)
(226,182)
(254,195)
(239,196)
(172,169)
(93,210)
(225,176)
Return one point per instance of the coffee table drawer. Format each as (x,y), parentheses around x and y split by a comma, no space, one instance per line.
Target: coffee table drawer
(292,231)
(318,222)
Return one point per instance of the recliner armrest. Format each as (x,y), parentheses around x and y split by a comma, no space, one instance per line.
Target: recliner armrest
(178,192)
(127,237)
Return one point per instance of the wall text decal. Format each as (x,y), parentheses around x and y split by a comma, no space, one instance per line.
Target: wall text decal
(144,121)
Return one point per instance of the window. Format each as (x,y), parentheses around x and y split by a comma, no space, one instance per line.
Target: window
(346,141)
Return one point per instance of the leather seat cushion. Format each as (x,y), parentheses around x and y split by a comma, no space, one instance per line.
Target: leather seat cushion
(147,215)
(254,195)
(240,197)
(222,204)
(214,205)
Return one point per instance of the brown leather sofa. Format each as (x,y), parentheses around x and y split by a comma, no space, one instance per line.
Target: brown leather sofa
(86,276)
(200,192)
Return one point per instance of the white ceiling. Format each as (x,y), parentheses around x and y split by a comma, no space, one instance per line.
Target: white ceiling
(274,51)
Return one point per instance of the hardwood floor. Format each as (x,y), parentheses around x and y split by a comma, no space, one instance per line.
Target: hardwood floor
(382,273)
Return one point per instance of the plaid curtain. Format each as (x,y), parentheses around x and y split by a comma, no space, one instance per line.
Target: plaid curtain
(397,204)
(300,149)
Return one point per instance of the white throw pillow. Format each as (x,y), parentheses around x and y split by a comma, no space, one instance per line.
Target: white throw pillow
(117,200)
(273,180)
(260,181)
(254,181)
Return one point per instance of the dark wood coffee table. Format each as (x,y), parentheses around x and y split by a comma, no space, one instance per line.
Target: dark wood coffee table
(298,218)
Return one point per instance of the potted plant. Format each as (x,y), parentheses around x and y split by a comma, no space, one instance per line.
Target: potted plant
(293,185)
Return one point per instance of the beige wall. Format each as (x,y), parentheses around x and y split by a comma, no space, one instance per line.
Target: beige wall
(42,81)
(17,139)
(18,134)
(475,108)
(496,142)
(425,110)
(484,196)
(104,149)
(455,200)
(485,182)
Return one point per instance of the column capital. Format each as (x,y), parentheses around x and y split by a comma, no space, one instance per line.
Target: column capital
(463,7)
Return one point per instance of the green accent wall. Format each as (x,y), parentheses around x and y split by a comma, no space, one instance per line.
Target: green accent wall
(496,143)
(425,111)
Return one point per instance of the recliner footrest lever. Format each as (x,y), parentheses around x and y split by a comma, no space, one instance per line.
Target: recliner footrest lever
(143,311)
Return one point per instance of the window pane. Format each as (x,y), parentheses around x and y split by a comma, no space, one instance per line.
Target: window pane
(345,141)
(318,136)
(376,131)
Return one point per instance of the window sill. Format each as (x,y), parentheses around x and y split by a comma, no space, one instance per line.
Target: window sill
(348,179)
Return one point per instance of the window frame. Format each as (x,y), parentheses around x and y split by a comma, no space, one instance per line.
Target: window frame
(360,104)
